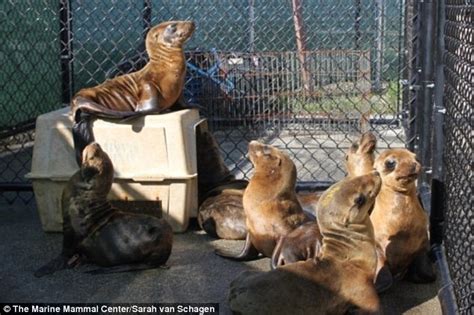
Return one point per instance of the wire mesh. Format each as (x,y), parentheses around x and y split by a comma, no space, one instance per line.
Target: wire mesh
(458,100)
(29,85)
(304,76)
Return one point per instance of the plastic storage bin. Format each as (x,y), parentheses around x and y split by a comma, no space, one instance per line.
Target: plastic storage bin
(154,159)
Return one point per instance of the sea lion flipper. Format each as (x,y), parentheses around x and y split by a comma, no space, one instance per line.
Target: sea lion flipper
(383,279)
(249,252)
(58,263)
(275,261)
(82,133)
(88,107)
(421,270)
(124,268)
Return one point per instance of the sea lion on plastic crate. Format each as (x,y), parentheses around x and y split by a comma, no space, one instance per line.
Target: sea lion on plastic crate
(153,89)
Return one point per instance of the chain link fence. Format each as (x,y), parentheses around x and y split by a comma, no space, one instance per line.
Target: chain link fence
(304,76)
(458,131)
(29,83)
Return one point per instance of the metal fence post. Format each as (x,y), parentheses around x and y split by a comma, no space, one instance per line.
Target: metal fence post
(146,17)
(379,6)
(425,97)
(65,54)
(410,73)
(446,293)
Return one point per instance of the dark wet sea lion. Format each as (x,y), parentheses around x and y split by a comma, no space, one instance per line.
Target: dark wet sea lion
(212,170)
(270,204)
(221,213)
(95,232)
(400,222)
(305,242)
(339,279)
(153,89)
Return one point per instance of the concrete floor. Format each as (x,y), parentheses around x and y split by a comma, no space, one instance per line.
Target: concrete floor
(196,274)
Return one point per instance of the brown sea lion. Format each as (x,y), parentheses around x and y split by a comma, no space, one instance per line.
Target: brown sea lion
(305,242)
(301,244)
(221,215)
(361,155)
(340,278)
(153,89)
(221,212)
(94,232)
(308,200)
(270,204)
(400,222)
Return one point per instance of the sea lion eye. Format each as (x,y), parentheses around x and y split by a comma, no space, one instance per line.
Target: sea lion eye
(360,200)
(390,164)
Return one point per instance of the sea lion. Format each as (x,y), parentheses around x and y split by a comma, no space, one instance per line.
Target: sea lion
(301,244)
(221,213)
(270,204)
(153,89)
(94,232)
(341,277)
(361,155)
(400,222)
(308,200)
(305,241)
(212,170)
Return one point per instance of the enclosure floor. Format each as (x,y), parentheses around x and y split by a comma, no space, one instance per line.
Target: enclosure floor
(196,274)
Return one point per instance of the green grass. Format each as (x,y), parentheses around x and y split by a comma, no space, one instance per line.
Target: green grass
(382,103)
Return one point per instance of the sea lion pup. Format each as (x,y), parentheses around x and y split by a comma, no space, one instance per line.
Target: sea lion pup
(361,155)
(94,232)
(400,222)
(305,241)
(221,213)
(212,170)
(341,277)
(270,203)
(153,89)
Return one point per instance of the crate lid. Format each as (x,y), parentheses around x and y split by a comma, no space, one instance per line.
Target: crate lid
(149,148)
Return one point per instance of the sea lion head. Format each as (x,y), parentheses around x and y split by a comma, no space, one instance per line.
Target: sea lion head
(272,162)
(398,168)
(348,202)
(171,34)
(360,156)
(97,169)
